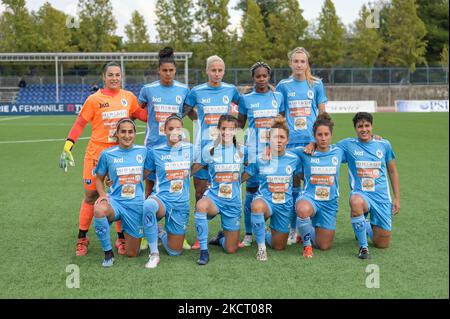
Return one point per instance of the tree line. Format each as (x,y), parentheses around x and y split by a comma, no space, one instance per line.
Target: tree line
(405,33)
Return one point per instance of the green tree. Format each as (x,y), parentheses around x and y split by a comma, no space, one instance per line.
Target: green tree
(406,33)
(266,7)
(435,16)
(367,43)
(51,28)
(213,20)
(331,33)
(444,56)
(287,19)
(97,27)
(137,34)
(254,44)
(174,24)
(17,29)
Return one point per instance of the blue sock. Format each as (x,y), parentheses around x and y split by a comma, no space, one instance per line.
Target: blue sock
(150,224)
(201,225)
(102,232)
(359,227)
(369,230)
(269,238)
(259,226)
(305,229)
(295,192)
(222,242)
(248,212)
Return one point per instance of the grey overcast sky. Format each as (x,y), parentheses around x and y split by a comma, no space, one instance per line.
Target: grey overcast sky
(346,9)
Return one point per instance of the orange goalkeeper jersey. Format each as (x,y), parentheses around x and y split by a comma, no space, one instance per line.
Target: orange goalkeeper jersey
(104,111)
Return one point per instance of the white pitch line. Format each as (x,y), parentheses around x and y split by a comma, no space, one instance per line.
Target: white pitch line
(47,140)
(14,118)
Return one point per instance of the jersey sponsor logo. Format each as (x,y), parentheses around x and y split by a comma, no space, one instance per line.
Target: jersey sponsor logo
(118,160)
(129,179)
(254,105)
(206,100)
(315,160)
(264,113)
(226,99)
(300,103)
(380,154)
(114,114)
(300,111)
(139,158)
(215,109)
(323,170)
(227,177)
(227,167)
(129,170)
(225,191)
(278,179)
(177,165)
(368,184)
(124,102)
(367,164)
(166,108)
(156,99)
(291,94)
(358,153)
(179,99)
(368,172)
(263,122)
(310,94)
(103,105)
(334,160)
(212,119)
(322,180)
(322,193)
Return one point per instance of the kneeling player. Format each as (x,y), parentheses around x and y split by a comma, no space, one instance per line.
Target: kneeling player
(124,165)
(274,197)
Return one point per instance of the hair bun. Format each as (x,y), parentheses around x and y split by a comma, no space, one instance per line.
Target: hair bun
(324,116)
(167,52)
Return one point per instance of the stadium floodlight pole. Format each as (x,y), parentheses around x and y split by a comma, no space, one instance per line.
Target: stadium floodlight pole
(56,79)
(186,70)
(122,66)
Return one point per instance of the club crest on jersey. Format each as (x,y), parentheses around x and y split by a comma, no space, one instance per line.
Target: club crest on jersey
(334,160)
(289,170)
(310,94)
(88,181)
(179,99)
(139,159)
(380,153)
(274,104)
(186,155)
(226,99)
(124,102)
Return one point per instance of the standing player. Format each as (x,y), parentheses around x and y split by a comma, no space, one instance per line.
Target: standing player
(210,100)
(274,198)
(162,98)
(124,165)
(102,109)
(172,163)
(305,98)
(319,199)
(260,106)
(370,162)
(224,160)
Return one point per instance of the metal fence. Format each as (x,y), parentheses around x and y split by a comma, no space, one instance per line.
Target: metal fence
(241,76)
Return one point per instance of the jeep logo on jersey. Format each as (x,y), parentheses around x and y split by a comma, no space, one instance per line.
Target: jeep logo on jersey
(179,99)
(358,153)
(118,160)
(310,94)
(334,160)
(124,102)
(103,105)
(289,170)
(274,104)
(226,99)
(139,158)
(379,153)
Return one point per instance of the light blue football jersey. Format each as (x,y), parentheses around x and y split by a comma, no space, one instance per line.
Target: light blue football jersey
(276,177)
(321,172)
(302,107)
(367,167)
(161,101)
(172,166)
(211,102)
(225,167)
(260,109)
(125,168)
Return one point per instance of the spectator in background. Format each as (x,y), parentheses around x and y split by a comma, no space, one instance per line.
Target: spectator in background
(22,83)
(94,88)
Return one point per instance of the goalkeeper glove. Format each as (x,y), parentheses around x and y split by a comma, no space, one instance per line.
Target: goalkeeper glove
(66,158)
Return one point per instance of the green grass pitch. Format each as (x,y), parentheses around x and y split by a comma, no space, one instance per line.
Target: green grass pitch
(39,207)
